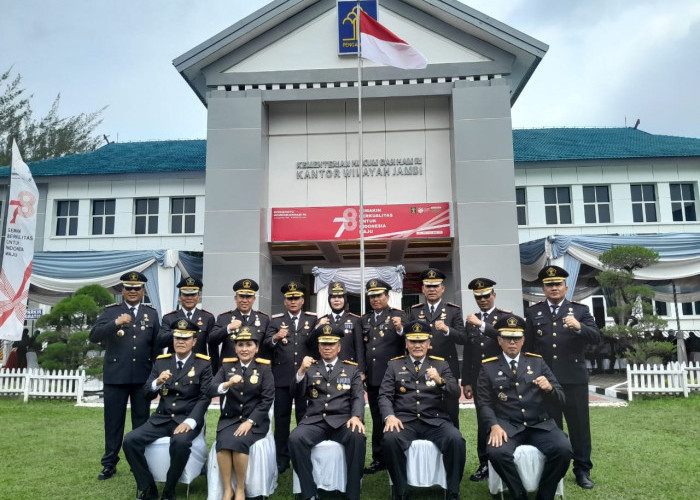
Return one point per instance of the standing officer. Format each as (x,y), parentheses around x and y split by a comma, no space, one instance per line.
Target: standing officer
(559,330)
(481,344)
(181,381)
(287,337)
(446,325)
(514,390)
(352,346)
(412,401)
(128,332)
(190,293)
(382,330)
(229,323)
(335,411)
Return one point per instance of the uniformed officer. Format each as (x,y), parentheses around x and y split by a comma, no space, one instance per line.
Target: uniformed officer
(446,325)
(481,344)
(247,389)
(189,295)
(128,332)
(182,381)
(514,390)
(352,347)
(412,401)
(335,411)
(287,337)
(229,323)
(559,330)
(382,331)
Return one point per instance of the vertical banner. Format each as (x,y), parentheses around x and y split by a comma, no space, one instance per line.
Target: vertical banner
(18,251)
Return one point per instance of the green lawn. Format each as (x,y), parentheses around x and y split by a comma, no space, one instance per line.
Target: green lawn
(649,450)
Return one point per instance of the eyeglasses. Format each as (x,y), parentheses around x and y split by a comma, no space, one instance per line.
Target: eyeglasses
(554,285)
(131,288)
(486,296)
(511,340)
(292,298)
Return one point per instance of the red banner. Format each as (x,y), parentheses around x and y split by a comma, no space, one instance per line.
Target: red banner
(382,222)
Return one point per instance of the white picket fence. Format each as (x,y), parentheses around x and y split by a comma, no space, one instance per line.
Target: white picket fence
(35,382)
(659,379)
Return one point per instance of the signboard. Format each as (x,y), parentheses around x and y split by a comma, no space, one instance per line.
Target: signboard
(347,23)
(33,314)
(386,222)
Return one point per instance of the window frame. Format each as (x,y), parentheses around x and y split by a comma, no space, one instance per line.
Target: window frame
(559,207)
(521,208)
(67,225)
(596,205)
(104,218)
(184,221)
(643,203)
(149,218)
(687,208)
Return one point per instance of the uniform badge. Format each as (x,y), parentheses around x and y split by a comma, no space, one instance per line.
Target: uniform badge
(318,382)
(164,391)
(199,322)
(314,393)
(430,383)
(422,315)
(529,371)
(257,320)
(366,339)
(254,377)
(191,373)
(387,320)
(443,316)
(306,325)
(233,337)
(539,313)
(120,333)
(284,339)
(502,396)
(339,387)
(500,373)
(145,316)
(402,389)
(539,332)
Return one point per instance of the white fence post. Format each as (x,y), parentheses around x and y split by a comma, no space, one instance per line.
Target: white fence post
(41,383)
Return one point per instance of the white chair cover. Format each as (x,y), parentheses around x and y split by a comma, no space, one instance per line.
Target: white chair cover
(529,462)
(158,458)
(424,466)
(329,468)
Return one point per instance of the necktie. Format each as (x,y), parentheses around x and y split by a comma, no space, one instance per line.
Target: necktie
(245,319)
(432,309)
(329,368)
(133,312)
(243,369)
(179,365)
(484,316)
(294,323)
(554,310)
(337,318)
(514,366)
(189,315)
(417,364)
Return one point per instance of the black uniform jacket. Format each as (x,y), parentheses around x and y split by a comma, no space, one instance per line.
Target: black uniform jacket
(411,395)
(332,398)
(200,317)
(129,349)
(184,395)
(352,347)
(441,345)
(480,346)
(562,348)
(515,402)
(287,356)
(382,343)
(250,399)
(258,322)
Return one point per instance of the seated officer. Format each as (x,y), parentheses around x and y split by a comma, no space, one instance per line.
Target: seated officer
(412,402)
(335,410)
(513,389)
(182,381)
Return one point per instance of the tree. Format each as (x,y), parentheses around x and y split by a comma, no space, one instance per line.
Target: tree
(68,326)
(47,137)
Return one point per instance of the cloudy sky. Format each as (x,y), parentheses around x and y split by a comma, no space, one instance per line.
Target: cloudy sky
(610,62)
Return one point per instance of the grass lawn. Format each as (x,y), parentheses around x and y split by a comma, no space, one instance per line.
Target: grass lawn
(649,450)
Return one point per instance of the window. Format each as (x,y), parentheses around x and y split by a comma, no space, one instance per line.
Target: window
(687,308)
(521,206)
(596,204)
(683,202)
(67,217)
(146,216)
(661,308)
(643,202)
(557,205)
(103,216)
(697,308)
(182,215)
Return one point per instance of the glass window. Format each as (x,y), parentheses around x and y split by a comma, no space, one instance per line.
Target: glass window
(146,216)
(687,308)
(683,202)
(557,205)
(182,213)
(103,216)
(661,309)
(596,204)
(521,206)
(643,202)
(67,217)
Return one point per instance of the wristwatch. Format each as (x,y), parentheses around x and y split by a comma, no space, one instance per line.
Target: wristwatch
(251,421)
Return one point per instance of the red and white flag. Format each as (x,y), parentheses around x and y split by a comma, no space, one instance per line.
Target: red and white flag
(380,45)
(18,251)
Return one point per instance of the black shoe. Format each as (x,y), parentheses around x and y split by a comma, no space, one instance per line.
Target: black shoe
(375,466)
(107,472)
(148,494)
(481,473)
(583,479)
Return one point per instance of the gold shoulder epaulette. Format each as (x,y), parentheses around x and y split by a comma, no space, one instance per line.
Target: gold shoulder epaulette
(277,315)
(453,305)
(262,361)
(203,356)
(438,358)
(488,360)
(397,357)
(229,360)
(533,355)
(347,362)
(417,305)
(164,356)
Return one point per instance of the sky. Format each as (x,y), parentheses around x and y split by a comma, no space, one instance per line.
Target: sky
(609,63)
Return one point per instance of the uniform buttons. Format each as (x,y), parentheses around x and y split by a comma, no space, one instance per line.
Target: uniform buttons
(374,348)
(328,395)
(417,402)
(295,353)
(326,404)
(134,348)
(323,415)
(241,394)
(555,356)
(173,404)
(576,361)
(177,383)
(373,359)
(482,344)
(172,415)
(418,415)
(520,396)
(241,405)
(525,424)
(523,410)
(328,384)
(483,355)
(517,384)
(554,334)
(554,346)
(134,336)
(134,360)
(418,391)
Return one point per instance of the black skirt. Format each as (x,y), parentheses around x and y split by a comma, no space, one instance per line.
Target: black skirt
(225,440)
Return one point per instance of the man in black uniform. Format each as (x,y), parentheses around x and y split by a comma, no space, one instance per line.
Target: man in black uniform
(335,411)
(287,337)
(412,401)
(352,347)
(481,344)
(514,390)
(128,332)
(230,322)
(190,293)
(446,325)
(559,330)
(181,381)
(382,331)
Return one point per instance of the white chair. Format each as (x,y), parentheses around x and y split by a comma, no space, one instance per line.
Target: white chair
(329,468)
(261,476)
(529,462)
(424,465)
(158,458)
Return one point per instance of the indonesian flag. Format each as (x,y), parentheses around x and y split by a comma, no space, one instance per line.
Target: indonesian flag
(18,251)
(380,45)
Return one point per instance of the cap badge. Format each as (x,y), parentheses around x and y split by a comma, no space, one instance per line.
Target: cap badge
(512,322)
(373,283)
(432,274)
(190,282)
(182,324)
(551,272)
(134,277)
(417,328)
(246,284)
(479,284)
(292,286)
(327,330)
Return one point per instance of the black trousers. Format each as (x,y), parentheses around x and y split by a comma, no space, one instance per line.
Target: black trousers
(555,447)
(445,436)
(306,436)
(135,444)
(482,433)
(452,408)
(578,423)
(116,397)
(283,419)
(377,423)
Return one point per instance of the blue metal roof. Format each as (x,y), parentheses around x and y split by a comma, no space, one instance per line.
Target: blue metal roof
(529,145)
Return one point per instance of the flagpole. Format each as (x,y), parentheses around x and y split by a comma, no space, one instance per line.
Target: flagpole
(360,157)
